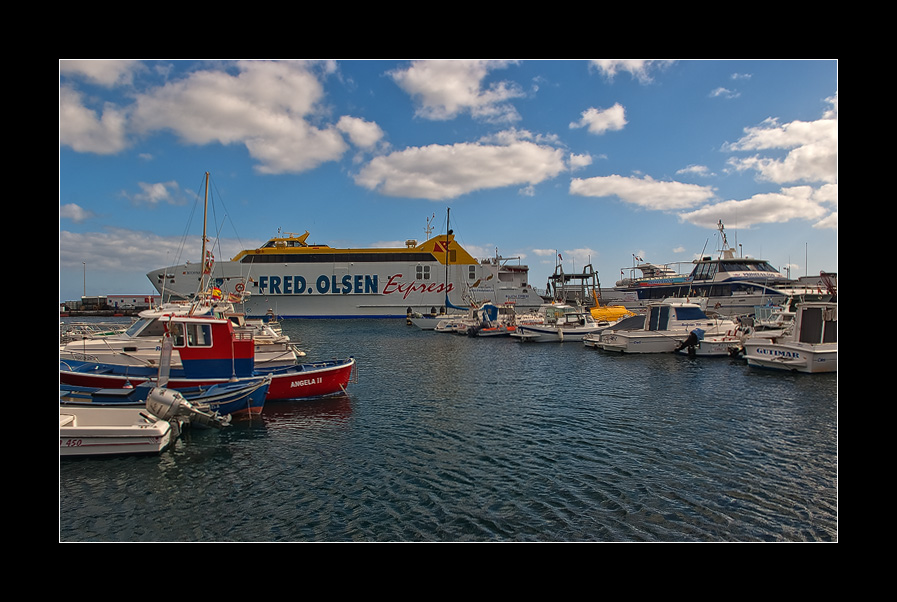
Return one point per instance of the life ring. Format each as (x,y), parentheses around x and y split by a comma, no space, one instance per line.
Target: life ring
(239,288)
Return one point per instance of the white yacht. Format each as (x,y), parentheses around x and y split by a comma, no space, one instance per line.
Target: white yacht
(730,284)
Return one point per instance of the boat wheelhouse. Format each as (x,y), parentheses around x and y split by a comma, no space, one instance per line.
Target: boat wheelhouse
(141,343)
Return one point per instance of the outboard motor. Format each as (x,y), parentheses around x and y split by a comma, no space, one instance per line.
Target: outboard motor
(168,404)
(691,341)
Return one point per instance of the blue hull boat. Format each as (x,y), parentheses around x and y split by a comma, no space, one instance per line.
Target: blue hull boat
(244,397)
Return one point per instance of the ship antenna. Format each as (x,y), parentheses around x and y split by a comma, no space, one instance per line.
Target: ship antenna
(724,243)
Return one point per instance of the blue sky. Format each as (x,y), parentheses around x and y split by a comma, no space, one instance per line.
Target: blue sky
(593,160)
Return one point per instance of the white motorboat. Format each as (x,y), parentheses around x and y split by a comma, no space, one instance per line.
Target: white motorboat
(95,431)
(557,322)
(101,430)
(809,345)
(666,326)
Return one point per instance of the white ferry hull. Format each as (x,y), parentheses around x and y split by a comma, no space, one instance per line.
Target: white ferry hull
(347,290)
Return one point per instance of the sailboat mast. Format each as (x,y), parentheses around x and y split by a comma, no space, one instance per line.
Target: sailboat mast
(203,259)
(448,231)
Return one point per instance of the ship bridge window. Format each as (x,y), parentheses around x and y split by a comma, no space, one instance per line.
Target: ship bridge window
(705,271)
(739,267)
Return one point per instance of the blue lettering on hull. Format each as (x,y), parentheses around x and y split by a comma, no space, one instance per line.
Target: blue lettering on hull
(322,285)
(792,355)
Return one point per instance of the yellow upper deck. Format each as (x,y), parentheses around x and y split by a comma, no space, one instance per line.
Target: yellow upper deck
(292,244)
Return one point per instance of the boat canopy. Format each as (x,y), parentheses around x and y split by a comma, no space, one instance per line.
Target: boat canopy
(819,324)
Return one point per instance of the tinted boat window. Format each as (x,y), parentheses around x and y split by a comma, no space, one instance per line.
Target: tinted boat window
(690,313)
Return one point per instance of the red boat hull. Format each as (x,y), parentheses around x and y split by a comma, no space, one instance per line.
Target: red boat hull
(314,382)
(307,380)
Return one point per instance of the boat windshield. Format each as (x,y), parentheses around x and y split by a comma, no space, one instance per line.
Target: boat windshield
(146,327)
(818,325)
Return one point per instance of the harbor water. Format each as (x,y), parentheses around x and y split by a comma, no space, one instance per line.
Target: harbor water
(446,438)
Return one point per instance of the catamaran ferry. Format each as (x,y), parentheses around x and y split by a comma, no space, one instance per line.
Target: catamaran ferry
(295,279)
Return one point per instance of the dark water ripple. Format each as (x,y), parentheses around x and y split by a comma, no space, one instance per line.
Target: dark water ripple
(446,438)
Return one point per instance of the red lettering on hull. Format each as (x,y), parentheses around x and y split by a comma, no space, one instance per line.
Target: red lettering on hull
(405,289)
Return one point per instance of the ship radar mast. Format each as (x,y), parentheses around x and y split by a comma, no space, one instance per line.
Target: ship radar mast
(725,251)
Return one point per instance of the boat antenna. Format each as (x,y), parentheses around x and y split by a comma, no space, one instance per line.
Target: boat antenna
(205,215)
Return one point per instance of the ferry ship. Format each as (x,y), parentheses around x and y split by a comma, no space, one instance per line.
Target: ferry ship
(296,279)
(731,285)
